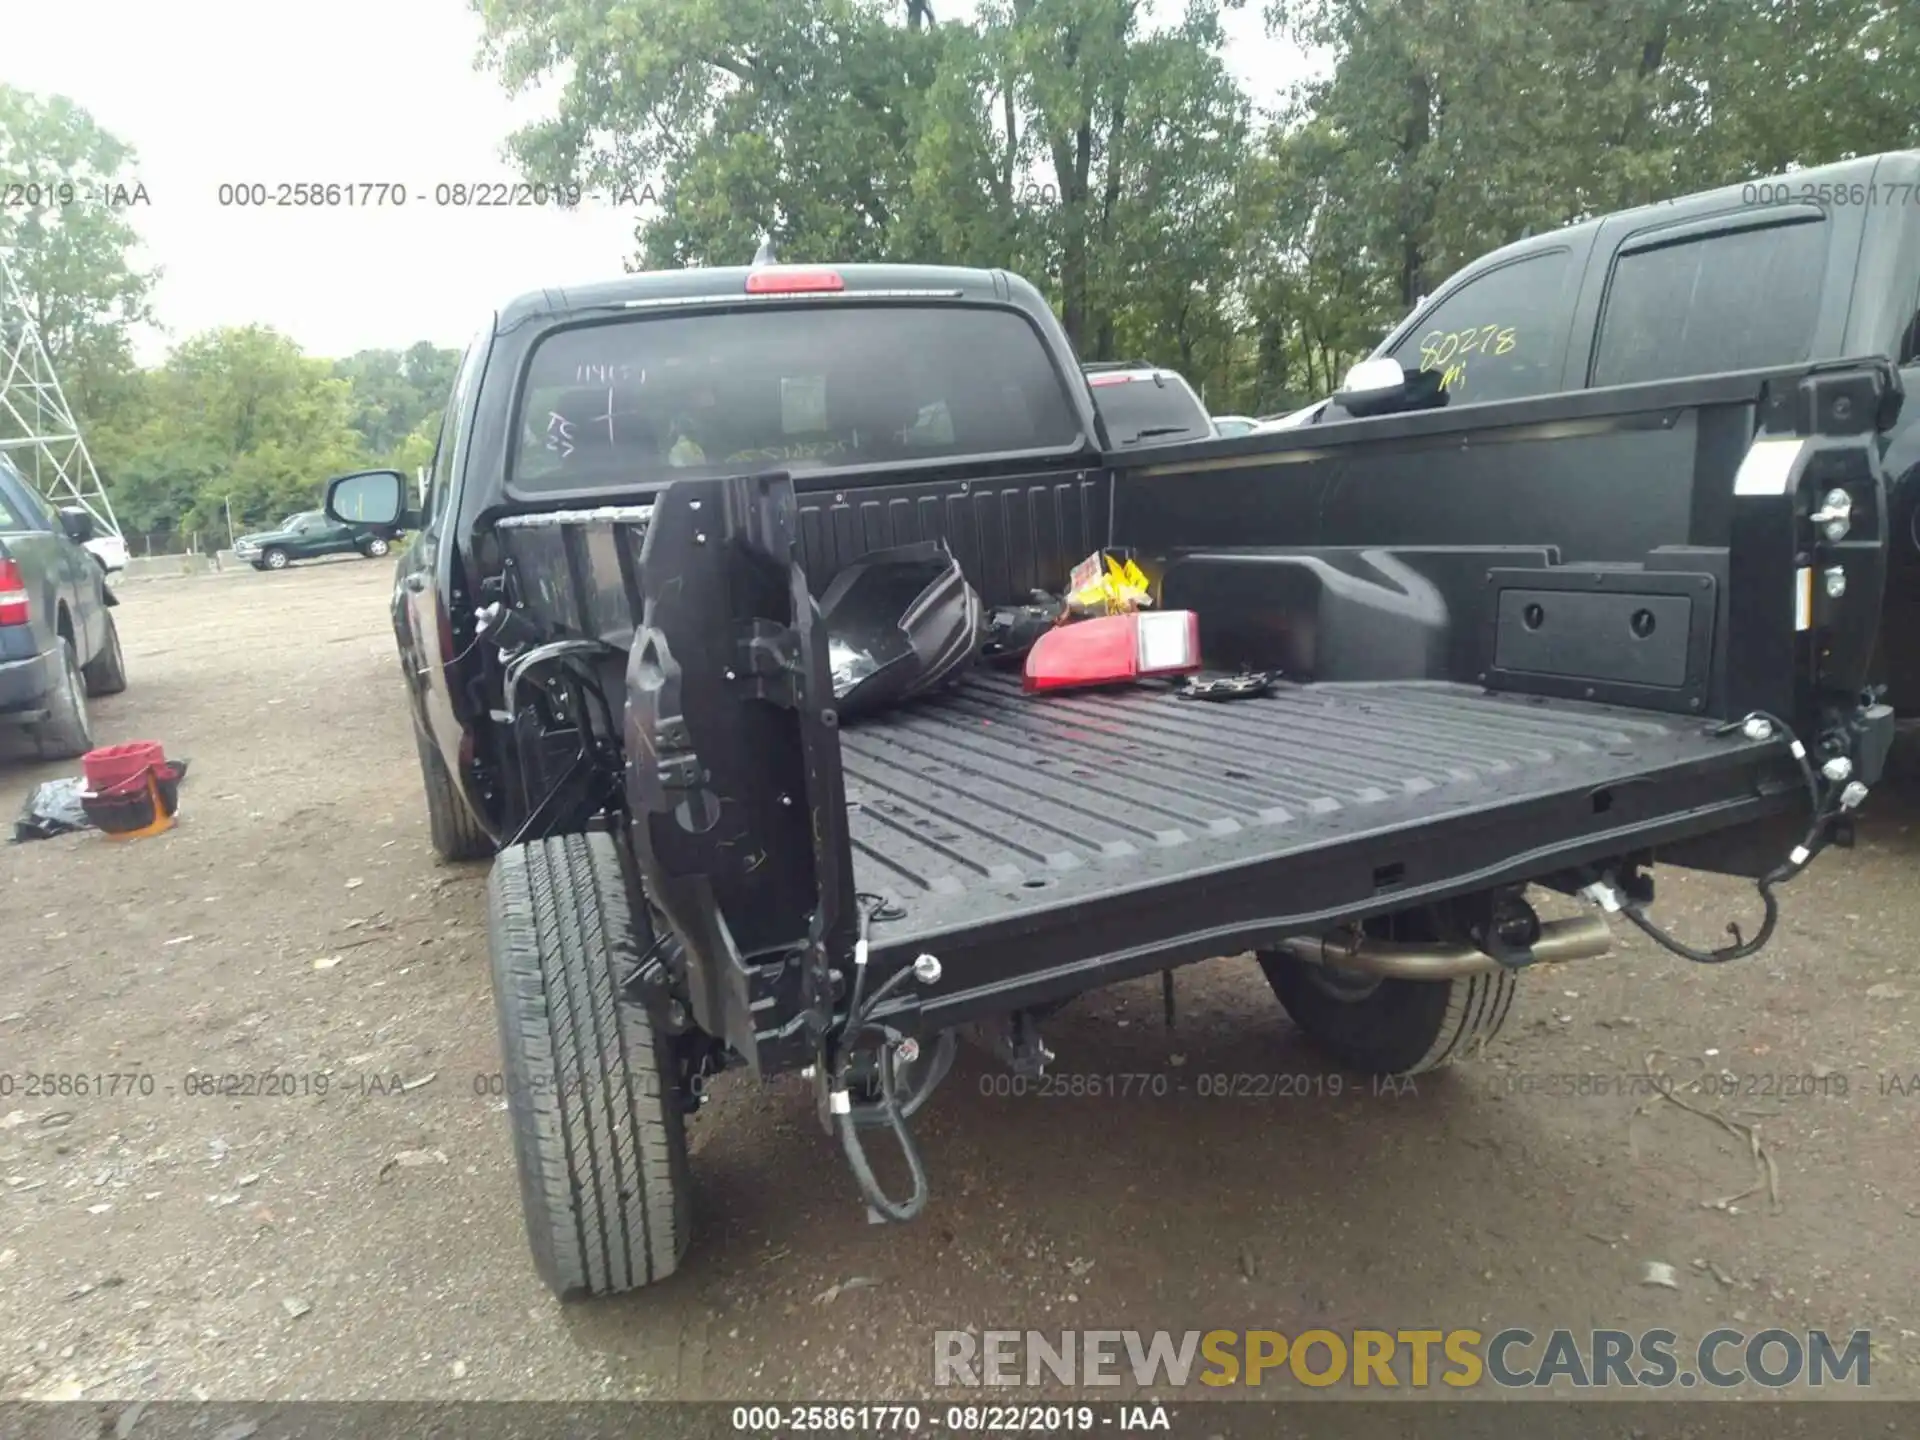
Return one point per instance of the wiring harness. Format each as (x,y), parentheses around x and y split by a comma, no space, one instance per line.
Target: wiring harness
(894,1053)
(566,657)
(1612,896)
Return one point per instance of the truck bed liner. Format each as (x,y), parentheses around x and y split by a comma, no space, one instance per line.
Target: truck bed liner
(983,804)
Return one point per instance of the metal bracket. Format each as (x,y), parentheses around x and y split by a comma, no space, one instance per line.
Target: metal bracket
(1844,397)
(1016,1043)
(770,661)
(1507,932)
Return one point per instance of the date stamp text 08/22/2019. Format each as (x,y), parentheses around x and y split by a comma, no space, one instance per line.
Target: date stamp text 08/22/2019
(441,195)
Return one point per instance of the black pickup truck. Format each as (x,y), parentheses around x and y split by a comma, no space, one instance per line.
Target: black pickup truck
(1789,269)
(58,642)
(611,636)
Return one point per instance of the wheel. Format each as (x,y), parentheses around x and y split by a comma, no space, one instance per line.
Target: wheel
(456,834)
(1389,1027)
(106,673)
(376,547)
(66,732)
(273,559)
(598,1131)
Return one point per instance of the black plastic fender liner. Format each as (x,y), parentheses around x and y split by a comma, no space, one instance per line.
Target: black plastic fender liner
(733,769)
(900,622)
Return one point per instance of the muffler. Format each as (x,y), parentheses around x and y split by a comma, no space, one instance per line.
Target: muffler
(1581,938)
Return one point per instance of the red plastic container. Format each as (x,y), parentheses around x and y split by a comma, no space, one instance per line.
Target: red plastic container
(116,769)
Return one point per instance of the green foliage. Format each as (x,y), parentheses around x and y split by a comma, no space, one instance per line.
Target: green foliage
(235,418)
(396,391)
(71,194)
(1117,164)
(242,419)
(1101,148)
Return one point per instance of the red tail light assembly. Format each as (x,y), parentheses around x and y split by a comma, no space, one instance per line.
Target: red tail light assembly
(1114,649)
(13,594)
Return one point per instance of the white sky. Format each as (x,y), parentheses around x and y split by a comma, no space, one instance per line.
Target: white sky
(213,91)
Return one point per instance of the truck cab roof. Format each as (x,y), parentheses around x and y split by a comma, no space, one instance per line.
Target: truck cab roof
(1895,169)
(730,283)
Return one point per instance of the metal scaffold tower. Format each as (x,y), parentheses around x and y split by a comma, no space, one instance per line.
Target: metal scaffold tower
(37,429)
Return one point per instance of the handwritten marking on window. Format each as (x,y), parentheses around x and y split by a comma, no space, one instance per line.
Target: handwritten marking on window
(1447,351)
(609,375)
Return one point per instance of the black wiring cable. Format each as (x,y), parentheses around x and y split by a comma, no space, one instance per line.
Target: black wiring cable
(590,681)
(892,983)
(585,680)
(582,757)
(547,799)
(1797,860)
(872,907)
(887,1111)
(945,1051)
(473,644)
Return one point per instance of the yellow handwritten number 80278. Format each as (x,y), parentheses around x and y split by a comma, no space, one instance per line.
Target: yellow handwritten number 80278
(1447,350)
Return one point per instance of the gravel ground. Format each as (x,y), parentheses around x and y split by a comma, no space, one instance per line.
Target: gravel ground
(366,1242)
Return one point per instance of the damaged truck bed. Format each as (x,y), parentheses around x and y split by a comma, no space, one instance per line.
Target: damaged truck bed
(1545,642)
(1022,837)
(1466,715)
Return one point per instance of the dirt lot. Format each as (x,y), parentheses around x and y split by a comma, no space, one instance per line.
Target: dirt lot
(367,1242)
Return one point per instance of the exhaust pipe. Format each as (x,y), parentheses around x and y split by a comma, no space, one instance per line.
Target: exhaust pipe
(1581,938)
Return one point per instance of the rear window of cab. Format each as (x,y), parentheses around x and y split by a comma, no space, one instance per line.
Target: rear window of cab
(805,387)
(1155,406)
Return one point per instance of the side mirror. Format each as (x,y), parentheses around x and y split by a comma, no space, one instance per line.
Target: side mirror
(1373,375)
(369,497)
(1385,387)
(77,523)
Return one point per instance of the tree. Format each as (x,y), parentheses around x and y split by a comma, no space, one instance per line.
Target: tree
(1447,130)
(743,118)
(236,416)
(72,192)
(393,391)
(1110,158)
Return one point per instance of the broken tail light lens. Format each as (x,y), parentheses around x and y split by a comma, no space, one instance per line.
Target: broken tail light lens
(1114,649)
(13,594)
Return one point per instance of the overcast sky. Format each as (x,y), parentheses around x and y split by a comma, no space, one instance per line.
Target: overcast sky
(216,91)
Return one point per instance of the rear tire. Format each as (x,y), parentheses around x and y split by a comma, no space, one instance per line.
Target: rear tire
(106,673)
(67,732)
(1390,1027)
(456,834)
(598,1131)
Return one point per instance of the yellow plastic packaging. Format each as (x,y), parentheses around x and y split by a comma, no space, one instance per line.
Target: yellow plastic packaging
(1108,582)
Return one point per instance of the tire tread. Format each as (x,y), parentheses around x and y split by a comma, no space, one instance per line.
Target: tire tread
(67,732)
(599,1136)
(1404,1027)
(456,835)
(106,673)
